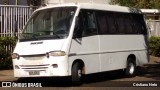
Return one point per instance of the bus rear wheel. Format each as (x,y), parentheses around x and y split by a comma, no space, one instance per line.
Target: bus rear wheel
(76,74)
(131,68)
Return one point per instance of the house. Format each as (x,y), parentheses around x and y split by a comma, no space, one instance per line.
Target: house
(151,14)
(152,17)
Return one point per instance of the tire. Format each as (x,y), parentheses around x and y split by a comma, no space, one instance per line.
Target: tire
(77,74)
(131,68)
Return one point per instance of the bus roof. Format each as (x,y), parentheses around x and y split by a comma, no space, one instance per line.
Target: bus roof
(94,6)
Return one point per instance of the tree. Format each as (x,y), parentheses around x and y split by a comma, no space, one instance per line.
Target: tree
(149,4)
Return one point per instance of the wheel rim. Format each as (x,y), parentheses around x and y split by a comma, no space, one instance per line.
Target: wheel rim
(79,73)
(131,68)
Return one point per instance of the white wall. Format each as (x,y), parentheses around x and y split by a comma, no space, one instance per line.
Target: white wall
(78,1)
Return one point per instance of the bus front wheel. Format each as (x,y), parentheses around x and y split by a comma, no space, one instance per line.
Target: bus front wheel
(76,73)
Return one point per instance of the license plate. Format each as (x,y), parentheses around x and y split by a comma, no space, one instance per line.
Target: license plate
(34,73)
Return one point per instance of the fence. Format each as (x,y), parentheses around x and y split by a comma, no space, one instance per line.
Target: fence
(13,18)
(154,27)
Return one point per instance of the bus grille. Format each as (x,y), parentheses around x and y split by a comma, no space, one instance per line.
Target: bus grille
(45,66)
(34,58)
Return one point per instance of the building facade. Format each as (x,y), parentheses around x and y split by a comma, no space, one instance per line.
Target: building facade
(152,17)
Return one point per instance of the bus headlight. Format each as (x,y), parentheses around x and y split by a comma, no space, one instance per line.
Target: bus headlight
(15,56)
(57,53)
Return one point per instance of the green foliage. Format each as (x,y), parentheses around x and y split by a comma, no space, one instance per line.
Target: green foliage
(150,4)
(154,45)
(6,46)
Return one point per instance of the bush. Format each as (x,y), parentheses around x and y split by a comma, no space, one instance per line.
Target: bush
(154,45)
(6,46)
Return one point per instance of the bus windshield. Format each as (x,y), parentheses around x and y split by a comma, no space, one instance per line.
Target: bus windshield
(49,24)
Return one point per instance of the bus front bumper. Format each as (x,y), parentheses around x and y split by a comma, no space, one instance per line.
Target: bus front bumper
(43,70)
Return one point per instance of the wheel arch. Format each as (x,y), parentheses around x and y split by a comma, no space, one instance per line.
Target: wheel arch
(81,62)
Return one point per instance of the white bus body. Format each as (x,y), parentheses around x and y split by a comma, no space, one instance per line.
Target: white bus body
(90,42)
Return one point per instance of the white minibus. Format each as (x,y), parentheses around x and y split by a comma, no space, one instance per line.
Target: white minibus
(77,39)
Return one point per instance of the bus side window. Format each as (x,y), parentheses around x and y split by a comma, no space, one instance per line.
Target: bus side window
(142,25)
(102,23)
(86,24)
(111,21)
(120,23)
(78,27)
(128,22)
(89,23)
